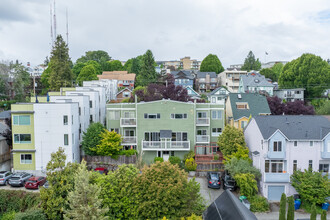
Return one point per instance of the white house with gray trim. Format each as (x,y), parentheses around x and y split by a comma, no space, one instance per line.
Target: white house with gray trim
(255,83)
(280,144)
(290,95)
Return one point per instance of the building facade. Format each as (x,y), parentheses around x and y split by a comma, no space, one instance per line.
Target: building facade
(230,79)
(165,128)
(183,78)
(123,78)
(282,144)
(290,95)
(218,96)
(255,83)
(206,81)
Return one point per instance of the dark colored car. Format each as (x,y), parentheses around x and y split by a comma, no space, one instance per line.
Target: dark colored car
(228,182)
(35,182)
(213,179)
(101,170)
(4,177)
(19,179)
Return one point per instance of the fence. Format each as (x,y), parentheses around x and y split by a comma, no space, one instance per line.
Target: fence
(108,162)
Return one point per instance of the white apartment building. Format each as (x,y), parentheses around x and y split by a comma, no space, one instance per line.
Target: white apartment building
(111,87)
(230,79)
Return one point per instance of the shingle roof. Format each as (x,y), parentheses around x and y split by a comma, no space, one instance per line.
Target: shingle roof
(4,114)
(255,81)
(256,104)
(216,90)
(182,74)
(118,75)
(294,127)
(203,74)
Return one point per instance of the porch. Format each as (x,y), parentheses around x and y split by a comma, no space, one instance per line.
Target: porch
(208,158)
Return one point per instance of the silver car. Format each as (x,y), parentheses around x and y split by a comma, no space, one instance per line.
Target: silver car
(19,179)
(4,177)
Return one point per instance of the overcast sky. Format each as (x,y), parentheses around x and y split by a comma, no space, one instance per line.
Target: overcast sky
(172,29)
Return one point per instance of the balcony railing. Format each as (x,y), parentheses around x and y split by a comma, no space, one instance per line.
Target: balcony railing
(165,145)
(203,121)
(128,122)
(277,177)
(276,155)
(129,140)
(202,139)
(216,134)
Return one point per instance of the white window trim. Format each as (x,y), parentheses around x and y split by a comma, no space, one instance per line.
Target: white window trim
(20,156)
(18,119)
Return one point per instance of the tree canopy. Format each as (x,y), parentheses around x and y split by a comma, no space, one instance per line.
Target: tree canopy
(99,56)
(308,71)
(115,65)
(289,108)
(91,138)
(211,63)
(251,63)
(109,144)
(147,73)
(87,73)
(230,139)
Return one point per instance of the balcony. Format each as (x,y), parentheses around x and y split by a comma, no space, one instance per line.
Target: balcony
(129,140)
(276,155)
(277,177)
(202,139)
(128,122)
(325,154)
(203,121)
(165,145)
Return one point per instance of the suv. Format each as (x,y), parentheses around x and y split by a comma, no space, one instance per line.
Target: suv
(228,182)
(19,179)
(4,177)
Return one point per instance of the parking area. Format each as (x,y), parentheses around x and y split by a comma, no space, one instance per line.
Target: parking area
(8,187)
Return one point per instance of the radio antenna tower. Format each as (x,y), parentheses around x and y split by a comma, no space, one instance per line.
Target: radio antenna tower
(51,26)
(55,35)
(67,28)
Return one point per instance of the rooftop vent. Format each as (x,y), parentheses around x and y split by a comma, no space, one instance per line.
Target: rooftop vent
(256,80)
(239,96)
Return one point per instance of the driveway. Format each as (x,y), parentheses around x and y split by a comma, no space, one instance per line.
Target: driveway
(207,193)
(8,187)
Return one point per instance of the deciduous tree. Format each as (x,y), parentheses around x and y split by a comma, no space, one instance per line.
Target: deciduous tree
(115,65)
(91,138)
(251,63)
(87,73)
(230,139)
(109,144)
(236,166)
(99,56)
(277,70)
(247,184)
(211,63)
(268,73)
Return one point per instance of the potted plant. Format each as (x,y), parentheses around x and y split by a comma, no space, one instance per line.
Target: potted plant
(191,166)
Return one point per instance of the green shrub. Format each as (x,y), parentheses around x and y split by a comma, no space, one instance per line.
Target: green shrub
(130,152)
(175,160)
(17,200)
(31,214)
(282,207)
(324,215)
(8,215)
(313,213)
(216,157)
(259,204)
(160,159)
(191,164)
(189,155)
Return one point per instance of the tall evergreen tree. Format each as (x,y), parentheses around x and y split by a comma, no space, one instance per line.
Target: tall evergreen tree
(60,74)
(290,215)
(84,201)
(21,81)
(282,207)
(324,215)
(251,63)
(148,73)
(211,63)
(136,65)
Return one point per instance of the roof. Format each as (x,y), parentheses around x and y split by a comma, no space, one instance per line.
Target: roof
(256,104)
(125,89)
(182,74)
(203,74)
(255,81)
(194,93)
(227,207)
(4,114)
(294,127)
(3,128)
(118,75)
(217,89)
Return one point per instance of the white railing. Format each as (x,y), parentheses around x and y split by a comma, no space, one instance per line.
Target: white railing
(128,122)
(202,138)
(203,121)
(129,140)
(170,145)
(216,134)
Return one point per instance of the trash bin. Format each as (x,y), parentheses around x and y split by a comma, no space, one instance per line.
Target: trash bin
(297,204)
(241,198)
(245,202)
(325,206)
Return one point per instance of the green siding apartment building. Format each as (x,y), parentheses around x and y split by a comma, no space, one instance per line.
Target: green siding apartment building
(166,128)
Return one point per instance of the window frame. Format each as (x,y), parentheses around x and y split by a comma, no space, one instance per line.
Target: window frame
(66,139)
(18,117)
(65,120)
(175,115)
(277,146)
(216,114)
(19,139)
(21,161)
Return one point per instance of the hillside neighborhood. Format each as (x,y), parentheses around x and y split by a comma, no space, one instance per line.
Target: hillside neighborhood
(189,138)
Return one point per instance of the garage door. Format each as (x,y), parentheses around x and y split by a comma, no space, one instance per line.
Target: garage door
(275,192)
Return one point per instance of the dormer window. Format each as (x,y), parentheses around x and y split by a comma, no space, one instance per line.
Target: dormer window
(242,105)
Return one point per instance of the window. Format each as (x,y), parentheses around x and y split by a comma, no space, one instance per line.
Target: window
(201,114)
(26,158)
(152,116)
(201,132)
(216,132)
(126,94)
(297,92)
(294,165)
(216,114)
(152,136)
(72,138)
(90,118)
(243,124)
(115,129)
(114,115)
(21,119)
(310,164)
(277,146)
(66,139)
(79,111)
(129,115)
(90,103)
(172,153)
(178,116)
(129,133)
(22,138)
(241,105)
(179,136)
(274,166)
(295,143)
(65,119)
(311,143)
(324,168)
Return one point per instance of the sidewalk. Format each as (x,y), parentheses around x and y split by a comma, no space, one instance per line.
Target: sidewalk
(275,215)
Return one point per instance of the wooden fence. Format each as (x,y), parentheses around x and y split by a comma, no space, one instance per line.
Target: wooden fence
(107,161)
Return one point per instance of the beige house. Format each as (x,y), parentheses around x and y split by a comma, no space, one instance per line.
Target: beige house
(124,78)
(230,79)
(184,63)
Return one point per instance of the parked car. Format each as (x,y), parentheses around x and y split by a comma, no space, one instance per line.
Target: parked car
(228,182)
(101,170)
(35,182)
(19,179)
(4,177)
(213,179)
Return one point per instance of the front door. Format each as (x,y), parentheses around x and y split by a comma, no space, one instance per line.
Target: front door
(166,155)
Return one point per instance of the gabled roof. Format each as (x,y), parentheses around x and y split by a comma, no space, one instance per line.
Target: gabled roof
(118,75)
(255,81)
(214,92)
(125,89)
(294,127)
(227,207)
(193,91)
(257,104)
(203,74)
(182,74)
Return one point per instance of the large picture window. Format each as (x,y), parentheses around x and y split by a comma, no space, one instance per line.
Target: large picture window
(152,136)
(179,136)
(22,138)
(216,114)
(21,120)
(114,115)
(274,166)
(26,158)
